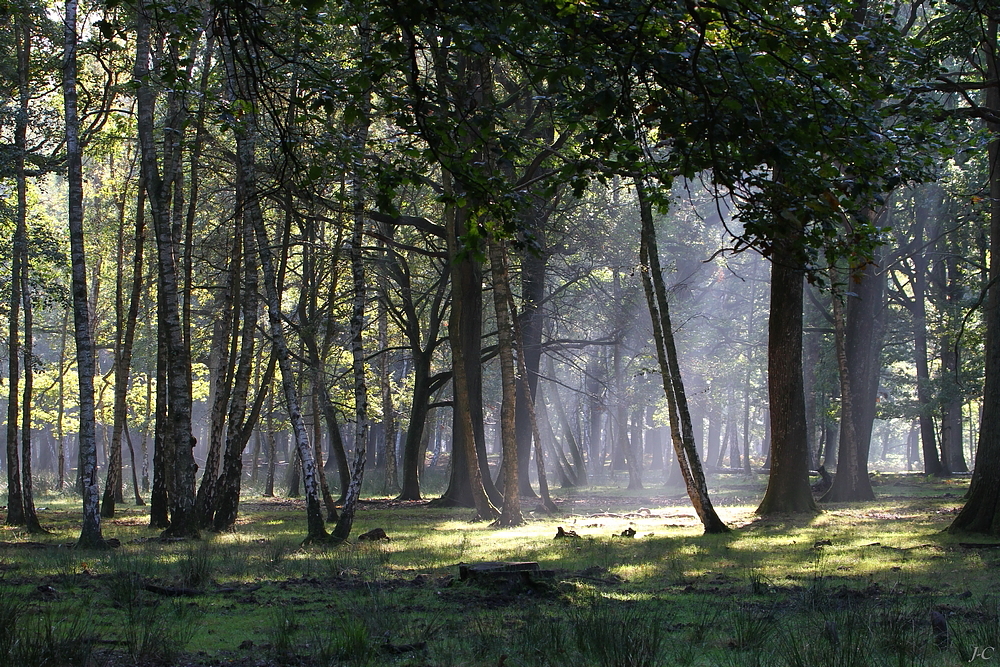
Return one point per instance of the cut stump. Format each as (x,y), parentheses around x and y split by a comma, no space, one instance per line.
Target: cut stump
(526,574)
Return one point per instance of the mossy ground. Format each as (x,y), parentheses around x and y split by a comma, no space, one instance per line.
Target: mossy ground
(854,585)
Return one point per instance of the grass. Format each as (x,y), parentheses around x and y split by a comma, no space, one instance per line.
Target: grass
(854,585)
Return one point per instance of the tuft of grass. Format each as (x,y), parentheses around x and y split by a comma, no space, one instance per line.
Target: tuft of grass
(619,635)
(349,641)
(58,636)
(197,566)
(283,630)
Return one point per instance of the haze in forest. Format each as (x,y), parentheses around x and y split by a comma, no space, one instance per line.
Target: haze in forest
(482,251)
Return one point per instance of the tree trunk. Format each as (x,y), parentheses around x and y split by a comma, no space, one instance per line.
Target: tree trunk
(470,471)
(530,321)
(159,503)
(388,409)
(30,517)
(182,492)
(932,463)
(124,342)
(951,404)
(418,425)
(576,451)
(224,499)
(510,512)
(222,366)
(316,528)
(90,533)
(788,483)
(981,513)
(359,294)
(682,432)
(851,482)
(19,247)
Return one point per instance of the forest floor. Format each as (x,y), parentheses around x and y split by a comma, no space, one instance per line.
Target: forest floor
(876,583)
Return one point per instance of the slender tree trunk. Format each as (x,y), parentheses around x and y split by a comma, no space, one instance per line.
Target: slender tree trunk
(225,497)
(159,503)
(61,407)
(388,410)
(316,528)
(272,449)
(576,451)
(139,502)
(124,343)
(182,496)
(682,433)
(530,321)
(359,293)
(222,366)
(510,512)
(90,533)
(30,517)
(15,498)
(932,463)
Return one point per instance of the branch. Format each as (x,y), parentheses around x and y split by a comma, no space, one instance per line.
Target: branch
(421,223)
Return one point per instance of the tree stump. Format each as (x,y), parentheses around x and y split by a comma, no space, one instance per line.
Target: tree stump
(516,575)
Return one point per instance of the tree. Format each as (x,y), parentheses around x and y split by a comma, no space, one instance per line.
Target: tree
(90,533)
(15,498)
(510,513)
(681,430)
(159,186)
(981,512)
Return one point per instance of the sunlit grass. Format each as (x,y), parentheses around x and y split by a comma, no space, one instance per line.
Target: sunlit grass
(886,563)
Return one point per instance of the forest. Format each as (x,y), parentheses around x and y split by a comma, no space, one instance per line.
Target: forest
(277,272)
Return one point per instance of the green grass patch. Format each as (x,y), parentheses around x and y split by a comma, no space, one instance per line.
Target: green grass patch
(857,584)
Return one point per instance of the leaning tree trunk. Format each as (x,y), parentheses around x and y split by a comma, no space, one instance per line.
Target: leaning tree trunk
(225,492)
(681,430)
(90,533)
(316,527)
(543,484)
(222,367)
(123,346)
(245,156)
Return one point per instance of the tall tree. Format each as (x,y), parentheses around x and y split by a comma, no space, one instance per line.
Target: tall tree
(981,512)
(90,533)
(788,483)
(682,433)
(510,512)
(15,499)
(160,185)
